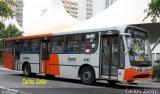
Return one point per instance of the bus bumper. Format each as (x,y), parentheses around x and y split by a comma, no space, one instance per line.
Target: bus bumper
(132,75)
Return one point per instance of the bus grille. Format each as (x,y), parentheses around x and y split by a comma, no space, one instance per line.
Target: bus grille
(142,76)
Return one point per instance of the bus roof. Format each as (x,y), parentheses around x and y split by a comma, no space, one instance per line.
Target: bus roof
(28,37)
(121,29)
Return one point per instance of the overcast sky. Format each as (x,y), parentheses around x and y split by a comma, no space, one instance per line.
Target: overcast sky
(32,10)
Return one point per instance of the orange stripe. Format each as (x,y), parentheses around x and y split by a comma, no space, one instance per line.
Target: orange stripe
(27,37)
(54,67)
(8,61)
(45,66)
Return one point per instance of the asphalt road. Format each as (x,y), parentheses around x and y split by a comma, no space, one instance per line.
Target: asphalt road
(12,82)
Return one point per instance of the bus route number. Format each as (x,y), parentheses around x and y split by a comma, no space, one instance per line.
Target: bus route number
(87,59)
(26,58)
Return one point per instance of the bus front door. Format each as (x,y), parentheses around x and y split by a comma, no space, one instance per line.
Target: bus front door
(109,56)
(45,56)
(16,55)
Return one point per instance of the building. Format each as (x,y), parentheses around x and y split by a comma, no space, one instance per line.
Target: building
(19,11)
(109,2)
(71,7)
(85,9)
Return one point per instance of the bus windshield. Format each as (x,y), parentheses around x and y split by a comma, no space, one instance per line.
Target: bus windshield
(138,46)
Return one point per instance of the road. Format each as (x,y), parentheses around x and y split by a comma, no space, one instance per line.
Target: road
(12,82)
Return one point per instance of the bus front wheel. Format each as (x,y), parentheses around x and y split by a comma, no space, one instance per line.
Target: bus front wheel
(27,70)
(87,76)
(112,82)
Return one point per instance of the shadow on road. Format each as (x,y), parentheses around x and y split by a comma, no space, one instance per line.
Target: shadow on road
(97,84)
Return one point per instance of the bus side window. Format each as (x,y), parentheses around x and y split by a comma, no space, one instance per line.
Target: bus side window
(25,47)
(35,46)
(122,57)
(9,47)
(73,44)
(89,43)
(58,45)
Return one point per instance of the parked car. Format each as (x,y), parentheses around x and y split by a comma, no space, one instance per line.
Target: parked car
(156,62)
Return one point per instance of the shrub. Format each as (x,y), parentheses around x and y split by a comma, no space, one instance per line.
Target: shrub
(156,72)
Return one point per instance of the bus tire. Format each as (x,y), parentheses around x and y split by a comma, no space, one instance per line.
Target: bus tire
(49,76)
(27,70)
(87,76)
(112,82)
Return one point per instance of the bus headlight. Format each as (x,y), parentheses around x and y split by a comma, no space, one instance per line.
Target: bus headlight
(149,68)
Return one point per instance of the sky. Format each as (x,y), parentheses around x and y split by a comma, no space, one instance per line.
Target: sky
(32,10)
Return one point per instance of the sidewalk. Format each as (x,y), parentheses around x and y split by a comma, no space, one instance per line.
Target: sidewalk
(1,66)
(148,84)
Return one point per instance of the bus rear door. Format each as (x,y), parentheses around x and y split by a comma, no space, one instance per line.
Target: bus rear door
(44,54)
(16,55)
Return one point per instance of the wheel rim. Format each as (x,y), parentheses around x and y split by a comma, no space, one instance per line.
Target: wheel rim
(87,76)
(26,70)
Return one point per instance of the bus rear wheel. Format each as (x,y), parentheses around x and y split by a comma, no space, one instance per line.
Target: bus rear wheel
(27,70)
(87,76)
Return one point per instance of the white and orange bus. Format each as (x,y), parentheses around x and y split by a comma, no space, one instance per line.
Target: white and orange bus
(113,54)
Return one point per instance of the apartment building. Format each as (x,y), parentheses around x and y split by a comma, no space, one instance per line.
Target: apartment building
(19,11)
(71,7)
(85,9)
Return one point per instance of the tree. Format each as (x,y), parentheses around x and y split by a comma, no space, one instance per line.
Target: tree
(11,2)
(153,10)
(2,26)
(5,10)
(10,31)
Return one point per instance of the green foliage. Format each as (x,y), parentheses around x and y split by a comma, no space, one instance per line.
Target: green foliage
(10,31)
(1,61)
(153,10)
(156,72)
(2,26)
(11,2)
(5,10)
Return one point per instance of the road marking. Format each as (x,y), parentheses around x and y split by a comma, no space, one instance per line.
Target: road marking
(14,91)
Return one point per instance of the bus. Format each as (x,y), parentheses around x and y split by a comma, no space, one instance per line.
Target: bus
(114,54)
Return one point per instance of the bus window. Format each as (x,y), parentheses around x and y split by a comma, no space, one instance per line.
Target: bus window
(25,47)
(122,57)
(9,47)
(73,44)
(58,45)
(89,43)
(34,46)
